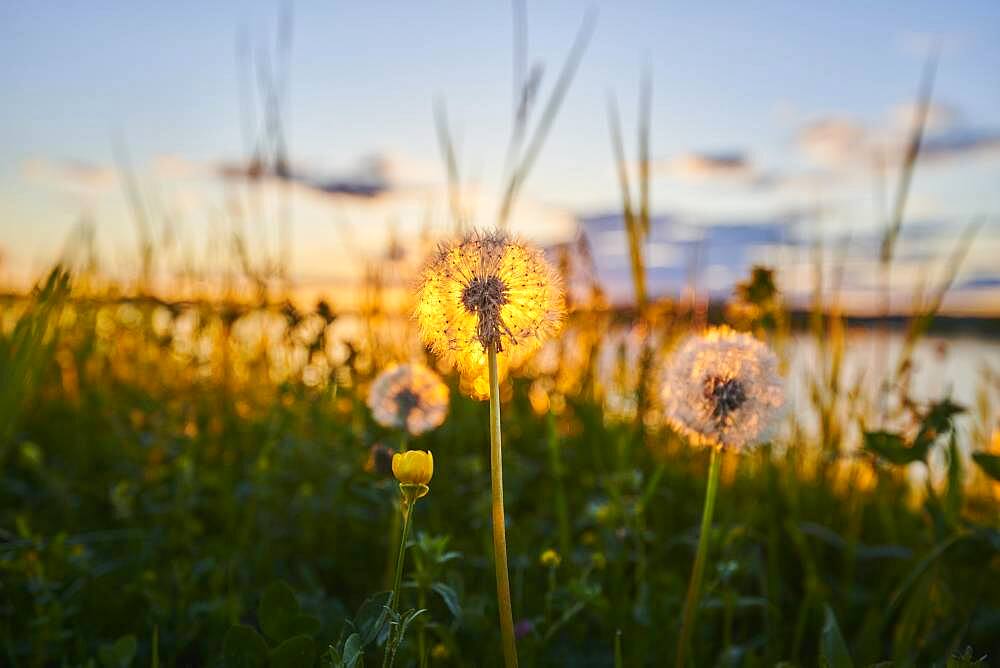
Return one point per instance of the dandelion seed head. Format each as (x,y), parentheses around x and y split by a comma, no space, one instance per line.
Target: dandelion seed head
(487,290)
(409,396)
(722,389)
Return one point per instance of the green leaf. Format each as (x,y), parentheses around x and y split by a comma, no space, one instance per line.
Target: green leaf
(990,464)
(832,648)
(353,651)
(278,611)
(450,598)
(244,648)
(408,619)
(307,625)
(936,422)
(892,448)
(965,659)
(371,618)
(119,654)
(296,652)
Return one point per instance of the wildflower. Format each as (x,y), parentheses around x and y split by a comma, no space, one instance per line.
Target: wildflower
(487,290)
(409,396)
(413,467)
(440,652)
(550,558)
(722,389)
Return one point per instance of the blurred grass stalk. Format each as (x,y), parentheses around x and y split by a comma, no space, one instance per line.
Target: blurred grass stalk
(27,352)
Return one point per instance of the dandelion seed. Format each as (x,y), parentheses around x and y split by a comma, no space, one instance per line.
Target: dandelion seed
(409,396)
(488,290)
(722,389)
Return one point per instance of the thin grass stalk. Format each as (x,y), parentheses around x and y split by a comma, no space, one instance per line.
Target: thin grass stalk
(694,586)
(499,529)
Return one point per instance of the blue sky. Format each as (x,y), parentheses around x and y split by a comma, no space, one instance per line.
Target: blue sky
(735,78)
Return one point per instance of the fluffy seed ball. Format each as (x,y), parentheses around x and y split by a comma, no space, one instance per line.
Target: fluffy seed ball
(722,389)
(409,396)
(487,290)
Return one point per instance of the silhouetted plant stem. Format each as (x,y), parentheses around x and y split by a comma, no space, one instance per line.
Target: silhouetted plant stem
(694,586)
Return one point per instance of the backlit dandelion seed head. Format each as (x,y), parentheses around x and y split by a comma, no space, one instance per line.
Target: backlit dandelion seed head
(722,389)
(488,290)
(409,396)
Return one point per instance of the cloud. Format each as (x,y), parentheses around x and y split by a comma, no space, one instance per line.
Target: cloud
(840,142)
(69,174)
(834,141)
(170,166)
(960,142)
(702,167)
(940,117)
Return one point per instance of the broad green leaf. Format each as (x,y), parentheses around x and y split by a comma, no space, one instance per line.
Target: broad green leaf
(278,611)
(892,448)
(296,652)
(990,464)
(832,648)
(244,648)
(353,651)
(449,596)
(371,618)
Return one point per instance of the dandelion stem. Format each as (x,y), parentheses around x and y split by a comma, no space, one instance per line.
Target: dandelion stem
(499,531)
(694,586)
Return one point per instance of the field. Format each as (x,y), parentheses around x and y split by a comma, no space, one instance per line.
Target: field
(478,428)
(165,464)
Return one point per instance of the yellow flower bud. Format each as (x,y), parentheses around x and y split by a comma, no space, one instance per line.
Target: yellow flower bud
(413,467)
(550,558)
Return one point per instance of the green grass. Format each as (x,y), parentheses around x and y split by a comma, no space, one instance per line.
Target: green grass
(151,492)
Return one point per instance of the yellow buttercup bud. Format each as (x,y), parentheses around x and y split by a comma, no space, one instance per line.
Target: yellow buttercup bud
(413,467)
(550,559)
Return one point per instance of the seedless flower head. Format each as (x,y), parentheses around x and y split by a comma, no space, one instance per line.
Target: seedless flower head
(487,290)
(409,396)
(722,389)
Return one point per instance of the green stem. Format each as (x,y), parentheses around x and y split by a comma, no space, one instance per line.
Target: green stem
(499,531)
(401,555)
(694,586)
(390,651)
(393,556)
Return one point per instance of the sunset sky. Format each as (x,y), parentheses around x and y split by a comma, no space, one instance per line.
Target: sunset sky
(760,113)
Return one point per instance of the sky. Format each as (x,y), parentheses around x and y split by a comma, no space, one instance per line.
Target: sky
(759,111)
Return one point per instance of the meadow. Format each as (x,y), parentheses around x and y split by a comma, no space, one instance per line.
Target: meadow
(173,470)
